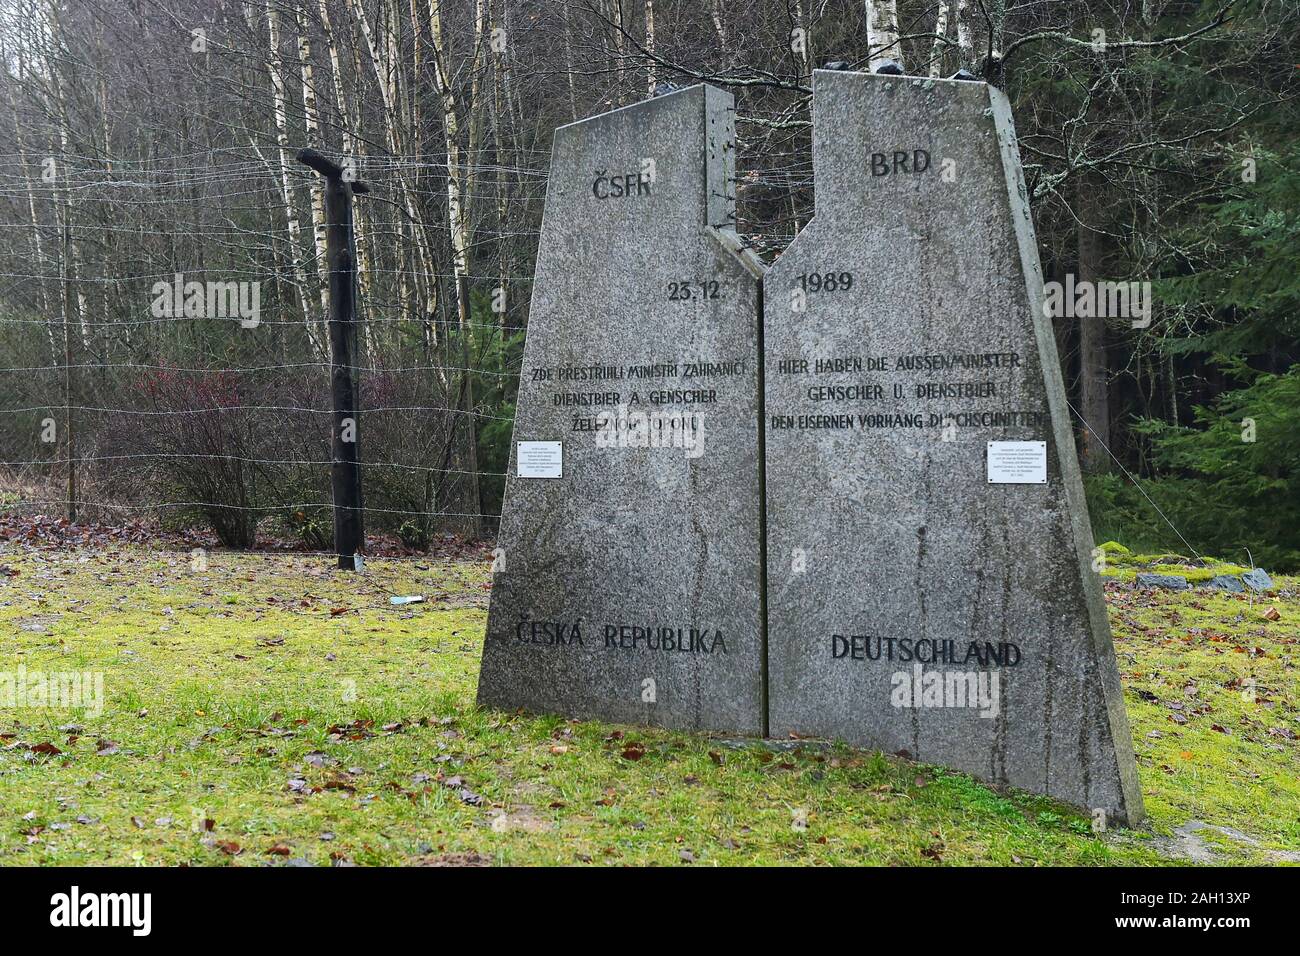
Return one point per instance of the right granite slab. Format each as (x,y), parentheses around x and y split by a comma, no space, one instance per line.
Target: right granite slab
(930,587)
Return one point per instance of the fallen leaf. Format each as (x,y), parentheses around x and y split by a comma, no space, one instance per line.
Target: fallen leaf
(633,751)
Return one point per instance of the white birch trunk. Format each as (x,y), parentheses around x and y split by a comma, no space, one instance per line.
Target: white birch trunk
(311,124)
(966,35)
(651,82)
(459,186)
(37,247)
(940,46)
(275,66)
(882,33)
(393,136)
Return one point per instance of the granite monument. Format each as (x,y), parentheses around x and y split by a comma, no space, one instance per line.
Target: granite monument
(923,581)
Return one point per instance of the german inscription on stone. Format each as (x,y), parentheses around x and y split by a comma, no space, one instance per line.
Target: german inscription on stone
(915,604)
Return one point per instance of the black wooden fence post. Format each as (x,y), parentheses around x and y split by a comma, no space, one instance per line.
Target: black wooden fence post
(345,474)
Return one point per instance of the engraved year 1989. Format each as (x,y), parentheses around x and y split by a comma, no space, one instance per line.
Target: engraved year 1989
(813,282)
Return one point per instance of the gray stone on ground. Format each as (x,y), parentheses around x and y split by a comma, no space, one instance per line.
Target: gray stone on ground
(648,545)
(904,333)
(1226,582)
(1257,579)
(1168,582)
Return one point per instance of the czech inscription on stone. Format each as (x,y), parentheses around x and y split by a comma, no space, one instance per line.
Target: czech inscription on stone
(914,604)
(629,588)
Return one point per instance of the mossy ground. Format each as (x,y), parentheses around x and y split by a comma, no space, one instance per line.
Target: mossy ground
(269,709)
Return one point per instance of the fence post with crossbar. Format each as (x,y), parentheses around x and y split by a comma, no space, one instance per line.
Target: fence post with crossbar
(345,474)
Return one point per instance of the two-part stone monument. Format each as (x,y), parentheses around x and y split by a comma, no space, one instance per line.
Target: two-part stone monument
(928,586)
(631,530)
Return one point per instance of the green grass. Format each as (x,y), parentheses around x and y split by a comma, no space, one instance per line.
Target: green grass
(271,709)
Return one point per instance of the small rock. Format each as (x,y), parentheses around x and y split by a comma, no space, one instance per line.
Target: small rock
(1226,582)
(1169,582)
(1257,579)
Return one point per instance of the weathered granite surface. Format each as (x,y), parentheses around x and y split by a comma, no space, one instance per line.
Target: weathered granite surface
(886,538)
(641,304)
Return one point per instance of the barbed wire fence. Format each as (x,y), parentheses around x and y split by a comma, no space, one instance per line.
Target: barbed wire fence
(119,405)
(164,358)
(125,399)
